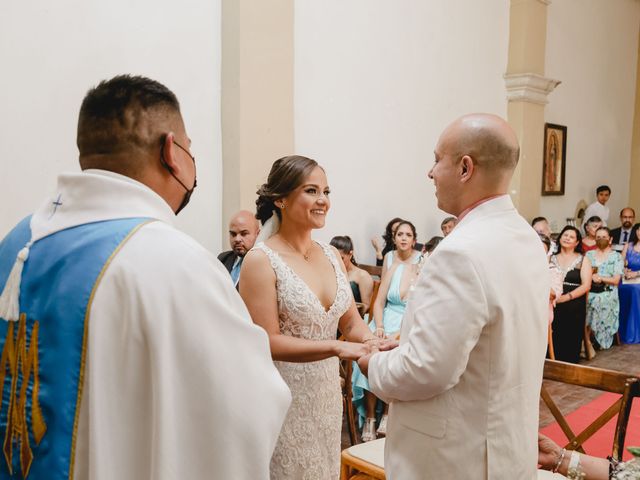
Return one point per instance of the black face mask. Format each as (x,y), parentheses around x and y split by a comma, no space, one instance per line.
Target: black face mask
(188,192)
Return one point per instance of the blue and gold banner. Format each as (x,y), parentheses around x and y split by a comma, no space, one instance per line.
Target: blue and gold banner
(43,354)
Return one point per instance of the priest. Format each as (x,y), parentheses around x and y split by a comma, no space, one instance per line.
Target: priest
(126,351)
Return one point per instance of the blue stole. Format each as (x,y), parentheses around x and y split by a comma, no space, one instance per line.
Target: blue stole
(43,354)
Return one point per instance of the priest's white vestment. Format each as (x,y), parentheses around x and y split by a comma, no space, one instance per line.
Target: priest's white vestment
(178,381)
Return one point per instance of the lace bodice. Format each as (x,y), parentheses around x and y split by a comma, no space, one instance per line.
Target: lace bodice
(309,444)
(300,311)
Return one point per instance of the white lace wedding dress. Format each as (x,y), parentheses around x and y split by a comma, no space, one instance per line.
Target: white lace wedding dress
(309,444)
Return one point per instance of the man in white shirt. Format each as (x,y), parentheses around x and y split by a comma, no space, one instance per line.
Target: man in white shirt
(464,384)
(599,207)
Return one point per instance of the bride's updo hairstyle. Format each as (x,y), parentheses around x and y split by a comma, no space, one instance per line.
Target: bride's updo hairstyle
(287,174)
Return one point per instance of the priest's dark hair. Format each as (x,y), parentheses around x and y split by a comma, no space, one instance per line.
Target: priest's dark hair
(122,115)
(287,174)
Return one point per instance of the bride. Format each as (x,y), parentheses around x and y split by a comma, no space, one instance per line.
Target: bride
(297,290)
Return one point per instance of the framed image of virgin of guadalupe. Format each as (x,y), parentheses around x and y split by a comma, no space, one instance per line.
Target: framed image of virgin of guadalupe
(555,156)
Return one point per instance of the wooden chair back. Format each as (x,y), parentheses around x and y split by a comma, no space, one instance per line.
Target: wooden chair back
(374,295)
(628,386)
(373,270)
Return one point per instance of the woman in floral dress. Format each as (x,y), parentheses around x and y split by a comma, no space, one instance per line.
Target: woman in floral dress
(603,306)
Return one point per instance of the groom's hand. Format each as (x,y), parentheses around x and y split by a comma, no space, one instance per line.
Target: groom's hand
(383,346)
(363,363)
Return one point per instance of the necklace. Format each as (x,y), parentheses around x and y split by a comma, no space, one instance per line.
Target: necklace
(306,255)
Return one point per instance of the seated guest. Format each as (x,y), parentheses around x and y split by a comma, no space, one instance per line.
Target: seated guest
(629,292)
(243,230)
(447,225)
(625,232)
(405,234)
(599,207)
(590,228)
(389,232)
(361,282)
(585,467)
(571,309)
(431,245)
(603,306)
(388,309)
(541,226)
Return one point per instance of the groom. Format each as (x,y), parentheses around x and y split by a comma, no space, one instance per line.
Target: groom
(464,382)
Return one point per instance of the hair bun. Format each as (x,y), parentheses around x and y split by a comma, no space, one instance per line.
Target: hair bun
(264,203)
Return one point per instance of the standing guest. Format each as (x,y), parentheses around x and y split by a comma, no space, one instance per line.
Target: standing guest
(625,233)
(447,225)
(464,384)
(555,277)
(603,305)
(360,281)
(297,290)
(389,232)
(133,374)
(591,226)
(571,310)
(388,310)
(243,230)
(629,291)
(599,207)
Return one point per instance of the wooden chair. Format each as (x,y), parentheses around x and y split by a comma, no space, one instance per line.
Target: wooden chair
(363,462)
(373,270)
(346,370)
(552,354)
(628,386)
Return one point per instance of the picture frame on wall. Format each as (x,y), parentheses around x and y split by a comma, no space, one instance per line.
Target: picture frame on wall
(554,159)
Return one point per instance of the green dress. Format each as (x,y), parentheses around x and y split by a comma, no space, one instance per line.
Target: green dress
(603,308)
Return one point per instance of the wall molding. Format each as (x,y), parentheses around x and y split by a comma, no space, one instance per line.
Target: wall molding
(529,87)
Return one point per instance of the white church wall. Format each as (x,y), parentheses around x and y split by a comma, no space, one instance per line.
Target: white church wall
(53,52)
(592,47)
(375,84)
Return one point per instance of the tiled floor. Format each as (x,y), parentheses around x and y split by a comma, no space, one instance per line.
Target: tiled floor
(624,358)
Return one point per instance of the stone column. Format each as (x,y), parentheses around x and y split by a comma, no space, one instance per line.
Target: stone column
(527,91)
(257,96)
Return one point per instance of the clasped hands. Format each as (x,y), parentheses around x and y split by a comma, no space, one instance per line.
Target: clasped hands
(376,344)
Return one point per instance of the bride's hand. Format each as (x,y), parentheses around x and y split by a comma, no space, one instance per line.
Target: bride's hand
(351,350)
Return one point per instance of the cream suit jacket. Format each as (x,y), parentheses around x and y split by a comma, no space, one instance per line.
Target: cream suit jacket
(465,381)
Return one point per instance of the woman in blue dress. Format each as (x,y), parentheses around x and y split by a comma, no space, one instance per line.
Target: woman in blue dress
(388,310)
(629,292)
(603,306)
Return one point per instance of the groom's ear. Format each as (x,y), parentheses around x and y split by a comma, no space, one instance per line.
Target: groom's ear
(466,168)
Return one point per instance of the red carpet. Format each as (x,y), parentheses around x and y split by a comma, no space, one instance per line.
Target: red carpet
(600,443)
